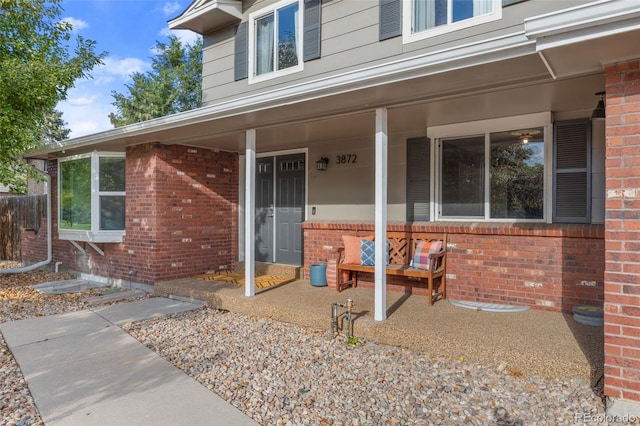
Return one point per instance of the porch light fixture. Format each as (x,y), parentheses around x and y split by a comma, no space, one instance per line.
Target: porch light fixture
(599,113)
(525,135)
(322,163)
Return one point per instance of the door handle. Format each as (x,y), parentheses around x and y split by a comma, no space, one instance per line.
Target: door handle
(270,213)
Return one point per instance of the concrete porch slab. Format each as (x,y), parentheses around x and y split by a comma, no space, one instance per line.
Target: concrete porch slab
(548,344)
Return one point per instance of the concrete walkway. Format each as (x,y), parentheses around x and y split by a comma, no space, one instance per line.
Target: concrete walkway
(82,369)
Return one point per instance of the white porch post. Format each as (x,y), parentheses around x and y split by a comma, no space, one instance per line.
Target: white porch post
(380,277)
(250,213)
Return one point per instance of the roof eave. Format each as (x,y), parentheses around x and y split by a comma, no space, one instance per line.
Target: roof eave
(584,22)
(204,18)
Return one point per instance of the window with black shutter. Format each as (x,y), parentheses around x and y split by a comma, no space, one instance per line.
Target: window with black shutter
(390,19)
(418,179)
(572,171)
(279,54)
(241,55)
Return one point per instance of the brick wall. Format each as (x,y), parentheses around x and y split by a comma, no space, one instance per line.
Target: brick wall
(181,217)
(622,276)
(186,216)
(34,245)
(550,267)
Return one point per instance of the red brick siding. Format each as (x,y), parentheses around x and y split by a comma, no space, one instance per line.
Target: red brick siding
(622,232)
(34,246)
(190,222)
(551,267)
(181,217)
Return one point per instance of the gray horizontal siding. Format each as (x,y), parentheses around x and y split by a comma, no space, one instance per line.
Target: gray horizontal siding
(350,41)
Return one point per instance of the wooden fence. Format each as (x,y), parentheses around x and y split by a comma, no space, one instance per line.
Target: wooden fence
(16,213)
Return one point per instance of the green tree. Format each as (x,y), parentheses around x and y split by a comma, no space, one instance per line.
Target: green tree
(516,182)
(39,62)
(287,52)
(173,85)
(55,128)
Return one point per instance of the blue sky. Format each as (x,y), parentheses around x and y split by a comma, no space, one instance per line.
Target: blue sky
(128,31)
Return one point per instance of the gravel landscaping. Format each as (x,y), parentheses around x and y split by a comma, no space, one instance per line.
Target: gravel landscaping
(280,373)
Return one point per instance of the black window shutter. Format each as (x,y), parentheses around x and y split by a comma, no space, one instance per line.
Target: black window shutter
(390,19)
(241,52)
(312,29)
(418,179)
(572,171)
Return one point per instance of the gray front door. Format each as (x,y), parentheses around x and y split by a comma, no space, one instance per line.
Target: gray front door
(279,223)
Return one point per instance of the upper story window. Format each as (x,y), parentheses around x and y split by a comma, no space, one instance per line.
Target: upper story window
(91,197)
(275,41)
(427,18)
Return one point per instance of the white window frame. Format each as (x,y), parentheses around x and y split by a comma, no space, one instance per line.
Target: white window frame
(94,234)
(486,127)
(408,36)
(253,78)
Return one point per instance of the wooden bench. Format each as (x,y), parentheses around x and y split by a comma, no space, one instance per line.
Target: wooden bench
(402,246)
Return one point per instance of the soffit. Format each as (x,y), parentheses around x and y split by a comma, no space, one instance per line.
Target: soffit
(568,96)
(584,38)
(225,129)
(592,55)
(205,16)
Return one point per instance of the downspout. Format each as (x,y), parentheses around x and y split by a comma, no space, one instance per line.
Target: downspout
(49,236)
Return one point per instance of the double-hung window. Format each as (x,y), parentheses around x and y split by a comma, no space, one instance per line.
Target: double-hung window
(427,18)
(91,197)
(275,41)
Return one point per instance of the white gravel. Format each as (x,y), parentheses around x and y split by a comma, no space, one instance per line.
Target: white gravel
(280,373)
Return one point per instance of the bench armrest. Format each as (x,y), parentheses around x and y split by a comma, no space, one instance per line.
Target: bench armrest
(436,261)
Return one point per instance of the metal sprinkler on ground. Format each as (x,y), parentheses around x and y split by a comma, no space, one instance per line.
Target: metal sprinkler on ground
(344,316)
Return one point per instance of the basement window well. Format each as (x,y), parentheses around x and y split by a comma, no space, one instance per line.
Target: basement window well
(91,197)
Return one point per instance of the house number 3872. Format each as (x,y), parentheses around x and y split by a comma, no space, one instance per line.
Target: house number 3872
(346,159)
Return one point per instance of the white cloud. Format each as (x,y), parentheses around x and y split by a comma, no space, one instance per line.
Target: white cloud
(84,119)
(170,8)
(80,100)
(87,127)
(76,24)
(116,71)
(185,36)
(89,103)
(87,108)
(124,67)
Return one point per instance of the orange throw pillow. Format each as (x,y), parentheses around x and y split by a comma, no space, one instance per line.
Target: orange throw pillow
(352,248)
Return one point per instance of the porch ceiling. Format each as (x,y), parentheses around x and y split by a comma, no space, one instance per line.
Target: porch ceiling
(515,86)
(592,55)
(566,98)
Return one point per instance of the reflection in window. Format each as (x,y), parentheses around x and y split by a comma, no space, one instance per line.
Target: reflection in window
(92,186)
(517,174)
(112,174)
(75,194)
(112,187)
(463,177)
(428,14)
(277,40)
(112,210)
